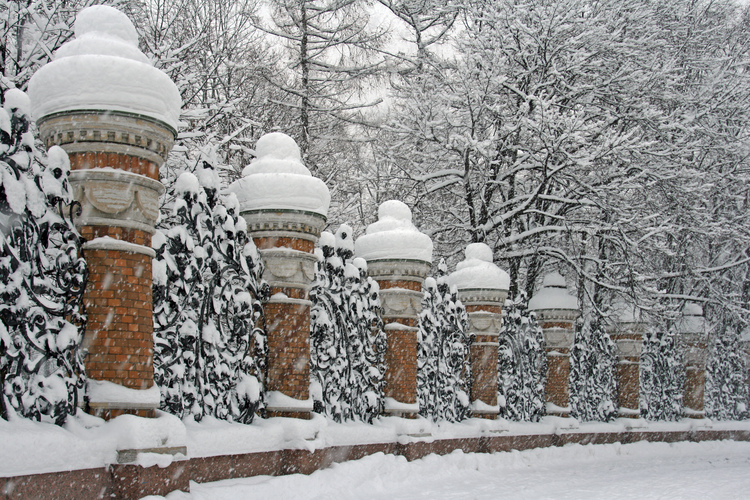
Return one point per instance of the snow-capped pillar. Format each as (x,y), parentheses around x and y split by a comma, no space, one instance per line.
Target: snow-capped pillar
(557,312)
(627,335)
(285,208)
(398,257)
(116,116)
(694,346)
(482,288)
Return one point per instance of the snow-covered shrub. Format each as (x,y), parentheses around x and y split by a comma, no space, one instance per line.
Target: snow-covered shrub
(726,393)
(347,341)
(443,352)
(592,373)
(42,276)
(522,363)
(662,376)
(209,343)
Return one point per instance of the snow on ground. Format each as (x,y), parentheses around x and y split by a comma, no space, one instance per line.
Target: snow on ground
(716,470)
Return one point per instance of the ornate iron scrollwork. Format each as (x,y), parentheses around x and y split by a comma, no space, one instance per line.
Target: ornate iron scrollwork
(209,334)
(42,280)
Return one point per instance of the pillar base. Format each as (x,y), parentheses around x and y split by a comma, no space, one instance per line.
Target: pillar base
(628,413)
(694,414)
(486,416)
(394,408)
(108,400)
(279,404)
(553,410)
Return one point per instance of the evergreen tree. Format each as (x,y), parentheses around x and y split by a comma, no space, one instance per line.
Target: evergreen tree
(209,343)
(592,373)
(443,352)
(522,363)
(347,342)
(662,376)
(42,275)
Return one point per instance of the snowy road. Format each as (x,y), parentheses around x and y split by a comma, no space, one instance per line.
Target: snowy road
(709,470)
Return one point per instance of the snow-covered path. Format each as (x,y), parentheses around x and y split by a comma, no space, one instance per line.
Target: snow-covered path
(715,470)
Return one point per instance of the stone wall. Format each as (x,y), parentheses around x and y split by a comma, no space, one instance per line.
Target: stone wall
(125,482)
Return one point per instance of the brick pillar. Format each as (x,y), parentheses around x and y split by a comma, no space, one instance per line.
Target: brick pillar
(627,335)
(693,342)
(398,257)
(285,209)
(557,312)
(482,288)
(117,131)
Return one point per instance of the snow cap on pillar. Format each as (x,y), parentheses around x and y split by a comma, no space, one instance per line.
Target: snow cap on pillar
(103,69)
(693,322)
(553,295)
(394,236)
(277,179)
(478,271)
(625,312)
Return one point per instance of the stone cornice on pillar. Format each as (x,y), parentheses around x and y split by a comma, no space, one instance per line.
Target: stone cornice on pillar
(557,315)
(695,350)
(557,326)
(288,268)
(556,338)
(398,270)
(279,223)
(628,339)
(400,303)
(482,296)
(485,323)
(627,348)
(107,131)
(112,197)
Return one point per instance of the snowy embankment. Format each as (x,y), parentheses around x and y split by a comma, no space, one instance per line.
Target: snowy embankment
(87,442)
(715,470)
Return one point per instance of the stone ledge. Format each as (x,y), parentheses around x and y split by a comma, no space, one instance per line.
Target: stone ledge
(130,456)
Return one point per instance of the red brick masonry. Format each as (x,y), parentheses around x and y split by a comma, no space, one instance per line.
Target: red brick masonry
(400,360)
(119,305)
(558,372)
(79,161)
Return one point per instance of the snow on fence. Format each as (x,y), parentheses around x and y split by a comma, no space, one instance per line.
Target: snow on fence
(246,308)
